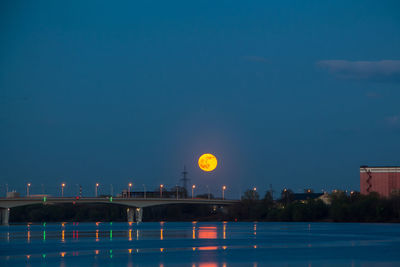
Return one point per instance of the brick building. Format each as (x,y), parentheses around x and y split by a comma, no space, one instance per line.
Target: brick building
(383,180)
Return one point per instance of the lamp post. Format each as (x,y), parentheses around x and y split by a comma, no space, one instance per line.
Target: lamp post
(129,189)
(97,189)
(161,187)
(193,187)
(62,189)
(28,185)
(223,192)
(254,192)
(144,190)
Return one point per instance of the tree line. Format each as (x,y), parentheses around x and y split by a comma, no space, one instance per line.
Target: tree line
(342,208)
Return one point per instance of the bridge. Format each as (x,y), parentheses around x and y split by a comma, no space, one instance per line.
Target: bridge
(134,205)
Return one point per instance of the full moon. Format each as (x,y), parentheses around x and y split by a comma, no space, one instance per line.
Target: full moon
(208,162)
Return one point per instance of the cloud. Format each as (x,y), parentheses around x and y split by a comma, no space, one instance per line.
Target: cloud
(255,59)
(393,120)
(372,95)
(384,70)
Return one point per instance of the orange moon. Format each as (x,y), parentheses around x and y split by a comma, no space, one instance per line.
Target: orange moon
(208,162)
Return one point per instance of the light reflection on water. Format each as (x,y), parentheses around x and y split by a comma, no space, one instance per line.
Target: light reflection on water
(201,244)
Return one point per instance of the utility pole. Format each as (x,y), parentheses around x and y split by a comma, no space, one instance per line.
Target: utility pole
(28,185)
(184,179)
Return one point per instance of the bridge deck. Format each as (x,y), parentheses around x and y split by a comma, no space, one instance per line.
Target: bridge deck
(133,202)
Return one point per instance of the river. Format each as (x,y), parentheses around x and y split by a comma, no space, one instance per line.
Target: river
(200,244)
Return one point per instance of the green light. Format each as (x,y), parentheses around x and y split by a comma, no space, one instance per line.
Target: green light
(44,199)
(43,256)
(44,224)
(111,253)
(110,199)
(44,235)
(111,237)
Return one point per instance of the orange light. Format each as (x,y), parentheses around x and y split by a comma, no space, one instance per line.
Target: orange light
(208,264)
(62,254)
(130,184)
(208,232)
(97,185)
(193,186)
(29,184)
(63,185)
(254,189)
(96,252)
(130,251)
(161,185)
(224,187)
(208,248)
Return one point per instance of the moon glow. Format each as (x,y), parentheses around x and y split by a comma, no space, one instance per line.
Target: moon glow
(208,162)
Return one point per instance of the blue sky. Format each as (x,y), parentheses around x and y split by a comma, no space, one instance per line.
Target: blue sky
(295,94)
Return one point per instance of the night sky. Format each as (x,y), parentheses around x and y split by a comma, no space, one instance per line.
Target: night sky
(296,94)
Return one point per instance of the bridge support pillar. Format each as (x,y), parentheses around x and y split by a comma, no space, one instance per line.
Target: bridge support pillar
(4,216)
(139,214)
(130,212)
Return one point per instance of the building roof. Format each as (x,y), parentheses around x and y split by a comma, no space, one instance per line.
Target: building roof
(366,166)
(379,168)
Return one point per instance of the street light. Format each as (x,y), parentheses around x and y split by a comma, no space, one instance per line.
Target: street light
(161,187)
(254,192)
(97,188)
(193,187)
(223,192)
(62,189)
(28,185)
(129,190)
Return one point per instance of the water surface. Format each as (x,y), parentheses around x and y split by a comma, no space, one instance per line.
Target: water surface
(198,244)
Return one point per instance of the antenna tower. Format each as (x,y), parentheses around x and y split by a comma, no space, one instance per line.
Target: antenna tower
(184,179)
